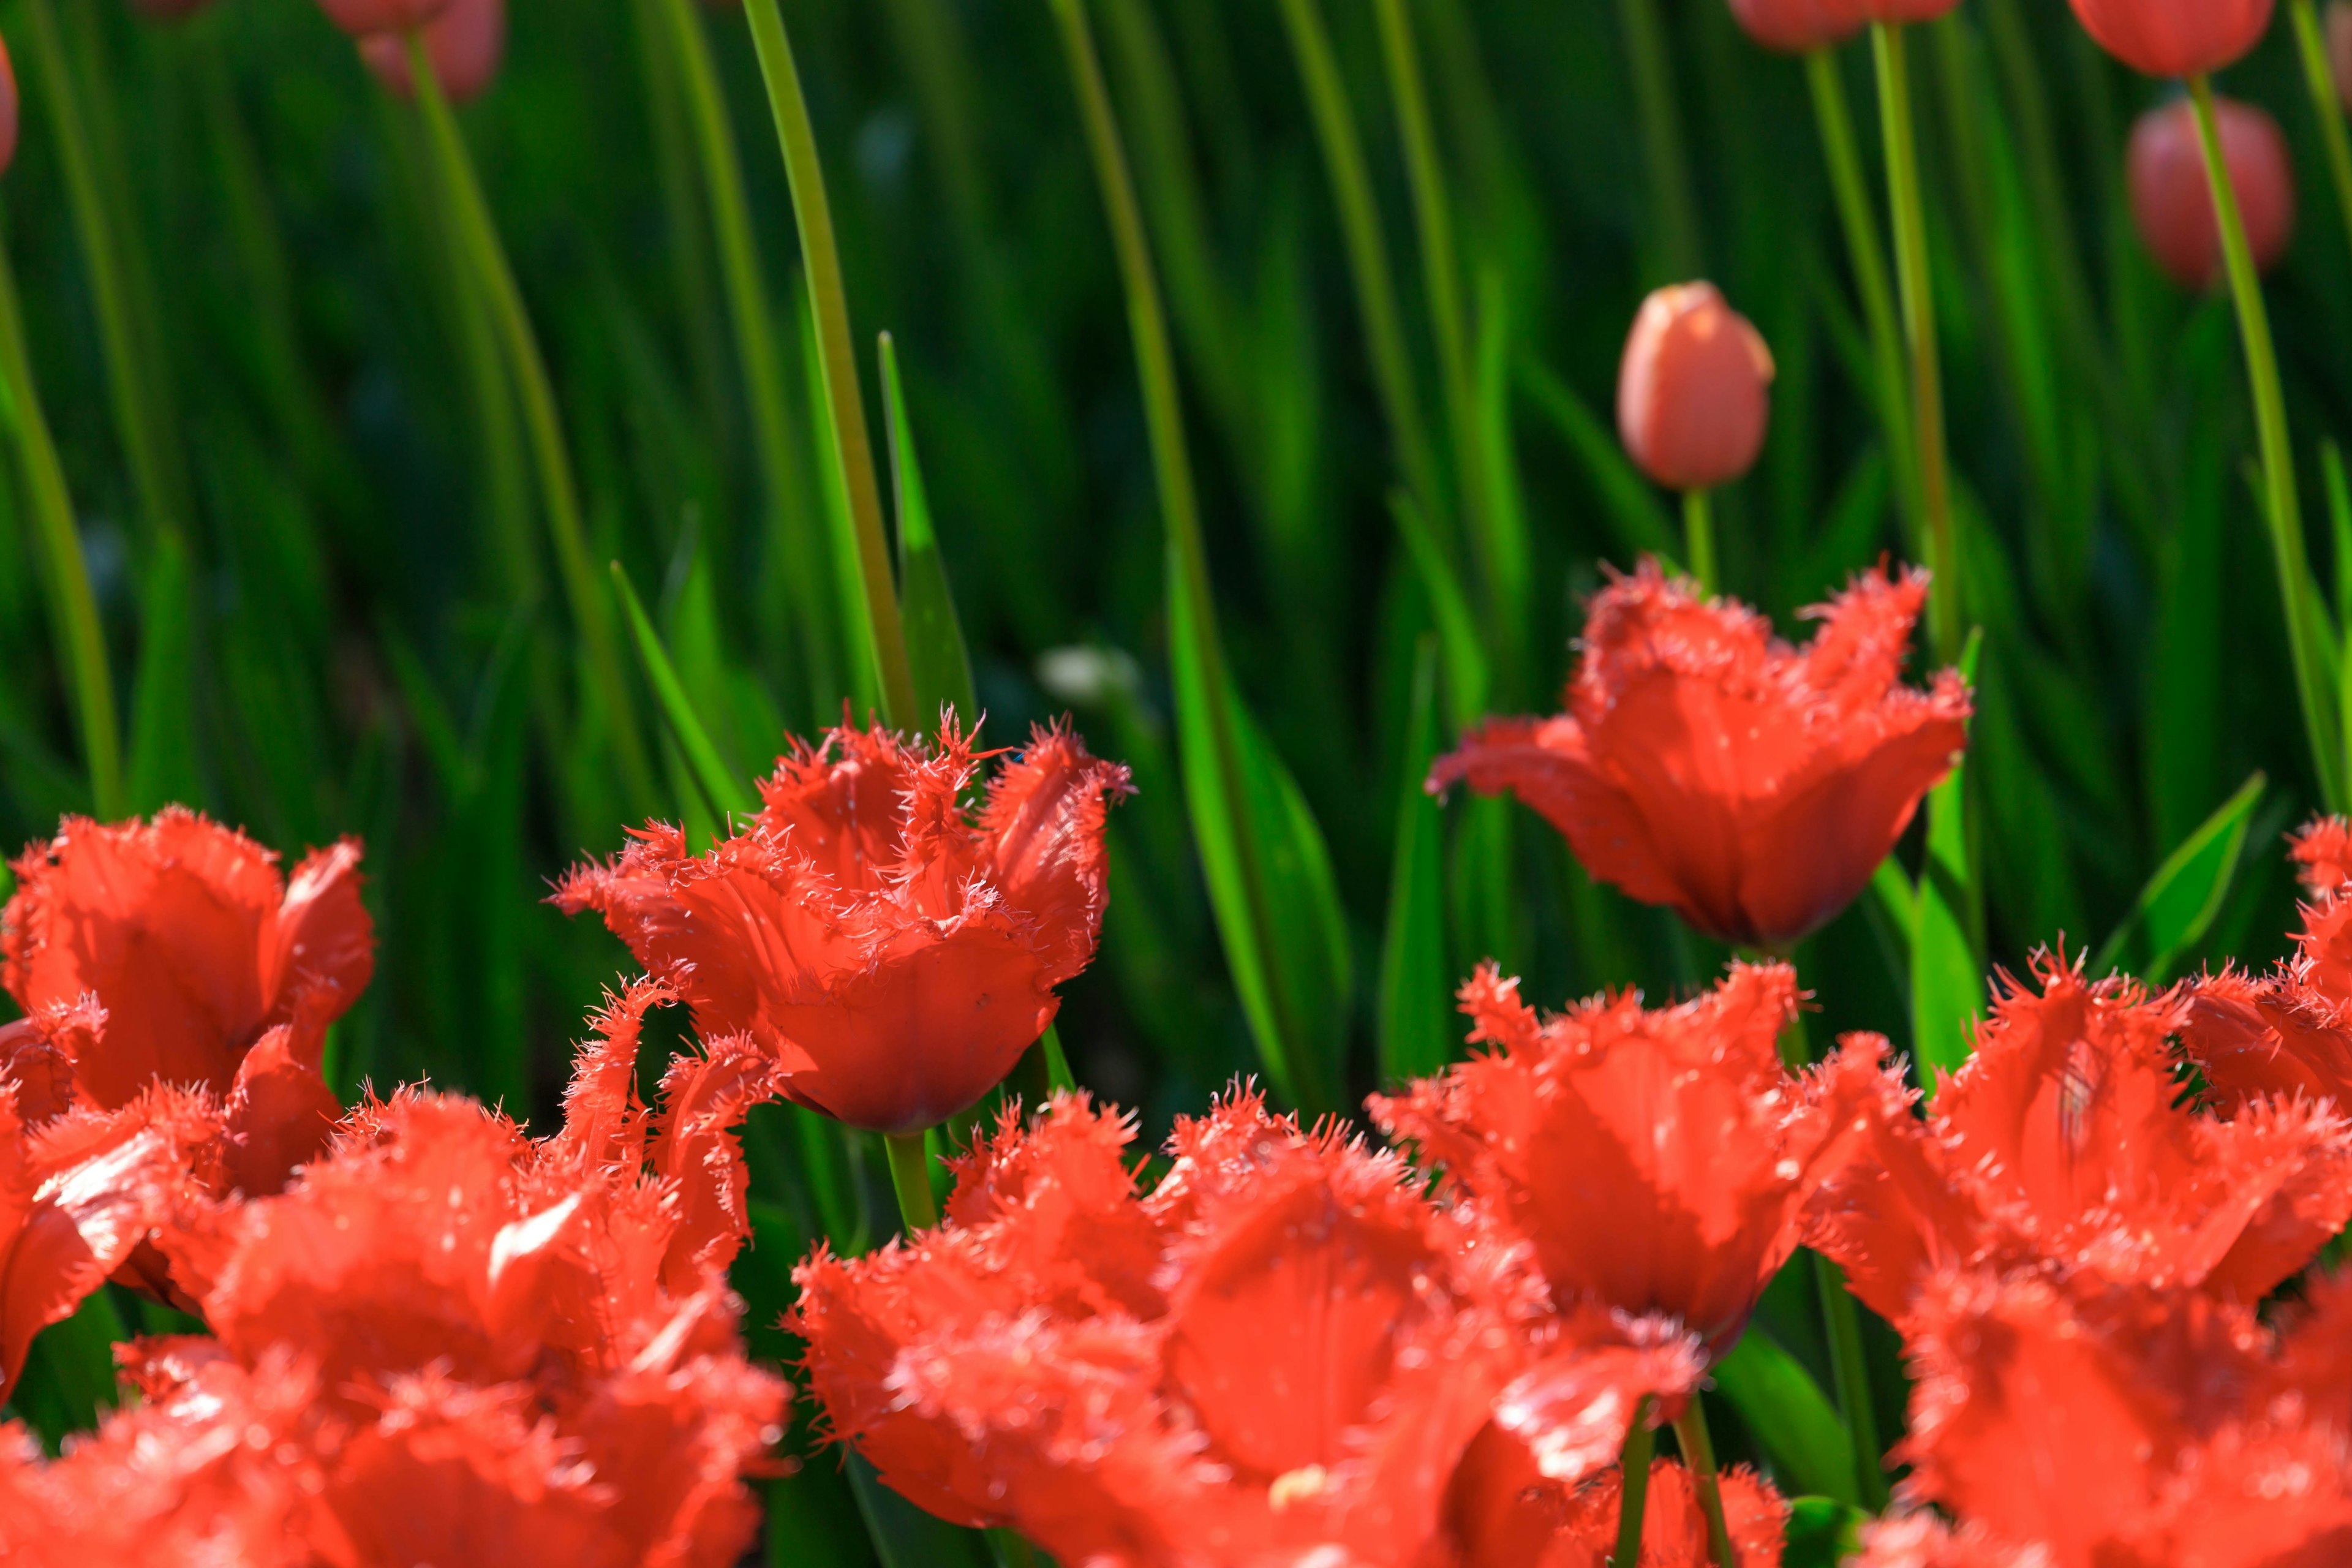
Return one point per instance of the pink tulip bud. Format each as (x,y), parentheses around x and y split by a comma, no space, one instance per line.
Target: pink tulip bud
(2175,38)
(2339,49)
(1694,392)
(464,44)
(7,108)
(361,17)
(1798,26)
(2172,196)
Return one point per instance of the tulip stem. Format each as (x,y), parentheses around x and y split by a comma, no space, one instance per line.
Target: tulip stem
(1868,257)
(1698,540)
(1698,1456)
(852,446)
(1852,1374)
(2285,508)
(81,638)
(1912,266)
(1633,1472)
(910,1178)
(591,611)
(2320,76)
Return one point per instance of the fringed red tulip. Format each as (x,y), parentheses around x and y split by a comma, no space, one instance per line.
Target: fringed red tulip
(211,969)
(1283,1352)
(2063,1145)
(2175,38)
(1704,765)
(2172,195)
(1694,391)
(891,953)
(360,18)
(466,43)
(1658,1162)
(2287,1033)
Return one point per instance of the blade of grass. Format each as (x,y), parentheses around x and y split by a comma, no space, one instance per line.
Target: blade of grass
(1417,1026)
(1628,501)
(1674,211)
(2319,76)
(722,789)
(1947,990)
(1789,1414)
(936,656)
(162,765)
(2181,901)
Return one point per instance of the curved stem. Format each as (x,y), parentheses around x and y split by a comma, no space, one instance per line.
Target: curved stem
(910,1178)
(82,638)
(1912,268)
(1867,258)
(1633,1472)
(853,448)
(2281,500)
(1699,541)
(1698,1454)
(2320,77)
(591,609)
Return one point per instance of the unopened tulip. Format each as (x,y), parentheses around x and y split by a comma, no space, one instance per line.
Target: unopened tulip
(2175,38)
(1796,27)
(464,44)
(360,18)
(2172,195)
(2339,49)
(1694,391)
(7,109)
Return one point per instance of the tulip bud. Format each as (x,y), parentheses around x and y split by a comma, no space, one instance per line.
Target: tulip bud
(2172,195)
(1798,26)
(7,108)
(2339,49)
(1693,394)
(361,17)
(464,44)
(2175,38)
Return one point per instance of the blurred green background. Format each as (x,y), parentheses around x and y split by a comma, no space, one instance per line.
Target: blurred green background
(354,623)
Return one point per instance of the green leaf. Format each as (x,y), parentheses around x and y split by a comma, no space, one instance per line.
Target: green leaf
(906,1536)
(162,762)
(1822,1531)
(1789,1415)
(935,646)
(1466,674)
(840,530)
(2180,902)
(1416,1031)
(1631,505)
(1947,990)
(1269,874)
(720,787)
(69,1376)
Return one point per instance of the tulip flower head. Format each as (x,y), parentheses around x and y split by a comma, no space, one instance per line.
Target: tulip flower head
(1694,391)
(1798,26)
(362,18)
(1659,1161)
(2063,1146)
(2172,195)
(1285,1351)
(211,969)
(1704,765)
(2287,1033)
(892,953)
(466,43)
(2175,38)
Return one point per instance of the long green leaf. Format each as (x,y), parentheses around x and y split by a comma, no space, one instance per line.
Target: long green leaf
(1947,988)
(1416,1033)
(721,789)
(1467,679)
(163,757)
(1821,1532)
(69,1376)
(1788,1415)
(1627,500)
(2181,901)
(936,656)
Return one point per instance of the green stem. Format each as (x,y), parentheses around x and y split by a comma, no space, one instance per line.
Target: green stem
(591,609)
(81,639)
(2320,76)
(2284,506)
(1911,264)
(1868,257)
(144,445)
(853,448)
(1368,257)
(1662,139)
(1633,1473)
(1851,1372)
(1699,541)
(1698,1455)
(910,1178)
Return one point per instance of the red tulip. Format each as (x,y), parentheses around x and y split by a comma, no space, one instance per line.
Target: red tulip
(893,955)
(1704,765)
(2339,49)
(1693,389)
(210,968)
(1284,1352)
(2063,1145)
(9,108)
(1511,1517)
(2287,1033)
(361,17)
(464,43)
(1797,27)
(2172,195)
(2175,38)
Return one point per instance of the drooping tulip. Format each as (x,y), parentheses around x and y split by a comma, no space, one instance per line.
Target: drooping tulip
(1705,765)
(1693,390)
(361,18)
(2172,195)
(2175,37)
(892,955)
(466,43)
